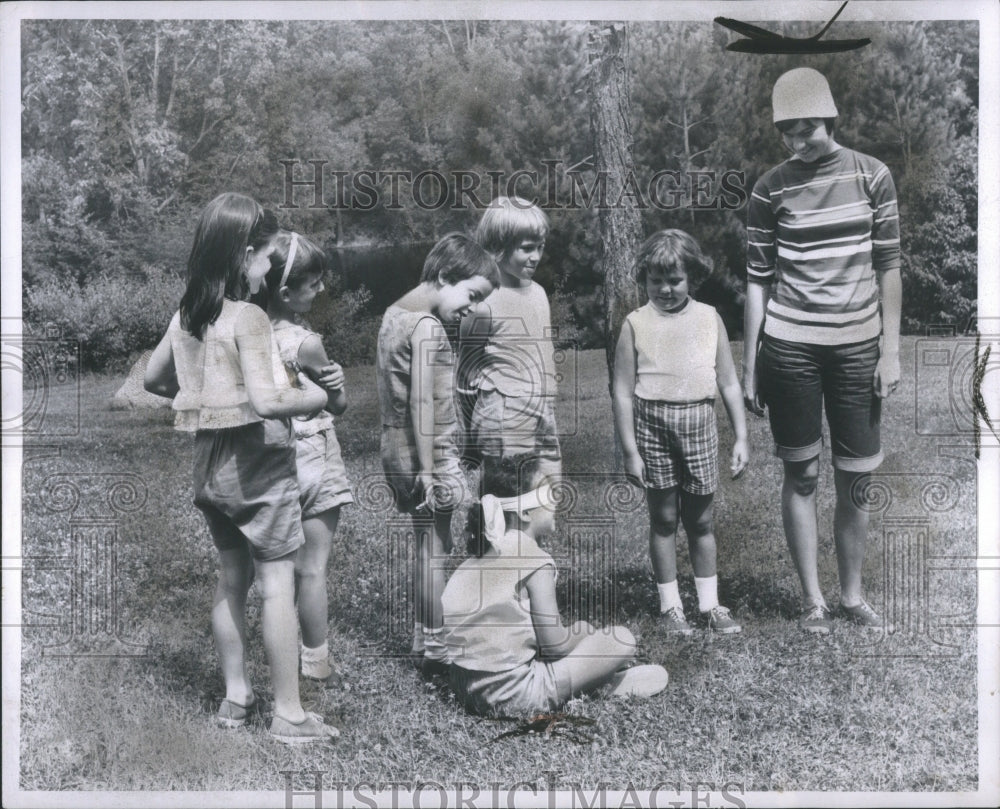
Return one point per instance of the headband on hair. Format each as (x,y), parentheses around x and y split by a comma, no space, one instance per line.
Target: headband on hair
(494,507)
(292,247)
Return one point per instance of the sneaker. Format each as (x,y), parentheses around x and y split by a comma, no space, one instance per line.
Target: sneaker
(310,729)
(430,667)
(721,620)
(675,623)
(815,618)
(640,681)
(863,615)
(231,715)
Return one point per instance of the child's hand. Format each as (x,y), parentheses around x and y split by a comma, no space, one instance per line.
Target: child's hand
(423,492)
(741,457)
(331,377)
(635,470)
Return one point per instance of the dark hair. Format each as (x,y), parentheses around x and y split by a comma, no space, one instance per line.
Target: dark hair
(457,258)
(502,477)
(310,261)
(670,249)
(790,123)
(229,224)
(508,220)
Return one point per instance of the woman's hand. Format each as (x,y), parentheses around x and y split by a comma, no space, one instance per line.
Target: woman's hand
(751,392)
(741,457)
(887,375)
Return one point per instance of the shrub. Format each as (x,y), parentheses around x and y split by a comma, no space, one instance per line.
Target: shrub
(347,324)
(112,318)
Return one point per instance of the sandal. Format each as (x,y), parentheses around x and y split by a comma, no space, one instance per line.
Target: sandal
(310,729)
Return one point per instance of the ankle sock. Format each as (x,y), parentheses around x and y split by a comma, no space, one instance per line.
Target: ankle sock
(418,638)
(670,596)
(708,592)
(316,661)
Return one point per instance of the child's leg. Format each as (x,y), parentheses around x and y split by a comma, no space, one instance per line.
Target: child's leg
(697,519)
(229,610)
(433,535)
(595,658)
(276,581)
(310,576)
(662,504)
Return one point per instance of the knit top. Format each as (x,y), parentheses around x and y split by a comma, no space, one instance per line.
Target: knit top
(819,232)
(675,352)
(487,612)
(212,391)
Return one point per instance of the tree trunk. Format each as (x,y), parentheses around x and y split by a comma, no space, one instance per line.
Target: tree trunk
(618,216)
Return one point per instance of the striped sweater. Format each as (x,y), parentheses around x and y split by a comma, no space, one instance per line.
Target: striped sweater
(819,232)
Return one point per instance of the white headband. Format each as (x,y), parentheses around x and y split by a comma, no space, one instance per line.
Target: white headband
(291,259)
(494,508)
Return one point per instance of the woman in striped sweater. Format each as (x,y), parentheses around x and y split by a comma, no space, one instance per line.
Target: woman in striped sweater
(821,328)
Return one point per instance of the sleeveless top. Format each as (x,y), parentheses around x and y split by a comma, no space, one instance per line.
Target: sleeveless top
(392,369)
(213,394)
(675,352)
(487,612)
(289,337)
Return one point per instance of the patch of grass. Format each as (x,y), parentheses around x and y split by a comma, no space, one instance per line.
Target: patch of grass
(771,709)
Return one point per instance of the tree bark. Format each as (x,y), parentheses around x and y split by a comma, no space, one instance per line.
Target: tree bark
(618,216)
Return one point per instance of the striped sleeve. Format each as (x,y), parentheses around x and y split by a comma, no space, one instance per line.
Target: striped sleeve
(761,238)
(885,223)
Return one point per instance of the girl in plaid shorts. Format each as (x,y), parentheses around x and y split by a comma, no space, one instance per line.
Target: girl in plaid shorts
(672,356)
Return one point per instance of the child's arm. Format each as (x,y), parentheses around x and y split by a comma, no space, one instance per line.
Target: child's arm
(328,375)
(554,639)
(623,389)
(422,400)
(253,341)
(729,388)
(161,374)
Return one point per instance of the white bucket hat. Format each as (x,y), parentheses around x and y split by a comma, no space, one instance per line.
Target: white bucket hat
(802,93)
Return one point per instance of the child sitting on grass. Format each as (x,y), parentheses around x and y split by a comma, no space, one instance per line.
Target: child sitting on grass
(509,650)
(672,355)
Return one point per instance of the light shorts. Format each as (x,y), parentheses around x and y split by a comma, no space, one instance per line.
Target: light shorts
(401,466)
(798,380)
(323,482)
(532,687)
(245,485)
(502,426)
(678,443)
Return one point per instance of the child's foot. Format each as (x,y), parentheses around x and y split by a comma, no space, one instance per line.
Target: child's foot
(310,729)
(675,623)
(863,615)
(815,618)
(640,681)
(432,667)
(232,715)
(721,620)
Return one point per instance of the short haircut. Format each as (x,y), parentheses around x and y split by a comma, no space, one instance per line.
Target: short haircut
(785,126)
(456,258)
(670,249)
(508,220)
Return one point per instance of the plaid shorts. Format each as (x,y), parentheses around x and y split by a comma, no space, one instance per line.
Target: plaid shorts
(678,443)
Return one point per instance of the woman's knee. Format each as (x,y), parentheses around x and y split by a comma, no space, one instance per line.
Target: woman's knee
(802,476)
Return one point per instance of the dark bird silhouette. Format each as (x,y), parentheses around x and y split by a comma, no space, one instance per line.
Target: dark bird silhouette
(763,41)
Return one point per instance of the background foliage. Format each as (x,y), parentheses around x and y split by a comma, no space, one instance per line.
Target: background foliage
(130,127)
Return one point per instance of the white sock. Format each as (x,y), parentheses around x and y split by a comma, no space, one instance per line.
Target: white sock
(434,648)
(418,638)
(316,661)
(708,592)
(670,596)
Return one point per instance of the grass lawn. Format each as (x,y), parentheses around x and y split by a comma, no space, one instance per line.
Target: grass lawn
(769,709)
